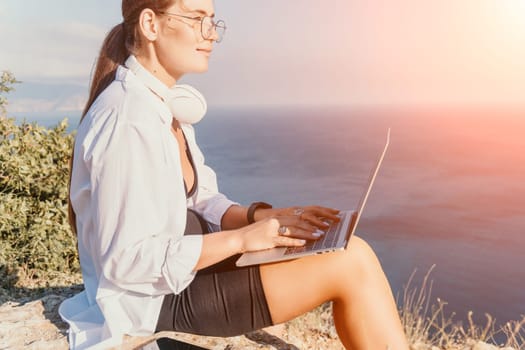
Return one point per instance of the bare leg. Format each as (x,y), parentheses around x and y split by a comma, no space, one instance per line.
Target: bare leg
(365,313)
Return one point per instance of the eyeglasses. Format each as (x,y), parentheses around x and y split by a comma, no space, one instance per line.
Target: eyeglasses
(208,25)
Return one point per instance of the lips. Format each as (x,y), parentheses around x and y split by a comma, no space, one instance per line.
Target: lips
(204,50)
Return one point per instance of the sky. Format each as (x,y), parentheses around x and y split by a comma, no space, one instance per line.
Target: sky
(308,52)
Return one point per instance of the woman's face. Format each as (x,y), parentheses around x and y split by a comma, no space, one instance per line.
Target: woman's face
(180,46)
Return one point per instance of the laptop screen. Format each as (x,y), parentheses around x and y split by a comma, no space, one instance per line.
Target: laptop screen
(371,179)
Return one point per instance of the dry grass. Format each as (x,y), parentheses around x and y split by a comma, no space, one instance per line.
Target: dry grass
(427,323)
(22,285)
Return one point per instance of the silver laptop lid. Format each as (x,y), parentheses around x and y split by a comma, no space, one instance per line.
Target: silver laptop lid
(371,179)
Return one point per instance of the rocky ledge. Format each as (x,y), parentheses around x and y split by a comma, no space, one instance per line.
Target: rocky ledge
(36,325)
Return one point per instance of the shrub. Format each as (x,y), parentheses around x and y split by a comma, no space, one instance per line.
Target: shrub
(34,168)
(7,79)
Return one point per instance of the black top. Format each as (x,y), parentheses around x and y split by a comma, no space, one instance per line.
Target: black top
(193,189)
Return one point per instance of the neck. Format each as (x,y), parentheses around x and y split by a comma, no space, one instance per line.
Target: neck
(152,64)
(186,103)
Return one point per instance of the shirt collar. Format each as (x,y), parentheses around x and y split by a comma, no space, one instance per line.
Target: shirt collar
(125,74)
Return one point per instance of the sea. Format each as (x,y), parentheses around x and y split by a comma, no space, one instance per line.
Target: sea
(449,199)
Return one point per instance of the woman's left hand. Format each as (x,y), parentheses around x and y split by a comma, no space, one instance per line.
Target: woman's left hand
(314,214)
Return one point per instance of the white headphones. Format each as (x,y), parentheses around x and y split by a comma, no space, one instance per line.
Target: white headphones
(185,103)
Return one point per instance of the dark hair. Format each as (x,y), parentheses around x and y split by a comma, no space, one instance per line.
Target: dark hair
(120,42)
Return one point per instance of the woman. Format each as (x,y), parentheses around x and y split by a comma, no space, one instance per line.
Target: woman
(136,171)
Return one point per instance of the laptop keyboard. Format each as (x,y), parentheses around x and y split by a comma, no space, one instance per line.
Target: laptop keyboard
(327,240)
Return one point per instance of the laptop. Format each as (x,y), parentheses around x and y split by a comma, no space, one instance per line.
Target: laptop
(336,237)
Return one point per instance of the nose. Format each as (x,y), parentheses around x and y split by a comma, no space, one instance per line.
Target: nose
(214,35)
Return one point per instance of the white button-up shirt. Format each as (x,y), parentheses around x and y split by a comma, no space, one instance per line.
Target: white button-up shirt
(128,194)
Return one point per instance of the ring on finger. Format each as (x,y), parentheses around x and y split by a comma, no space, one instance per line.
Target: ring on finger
(282,230)
(298,212)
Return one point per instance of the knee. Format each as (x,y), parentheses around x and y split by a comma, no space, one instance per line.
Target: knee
(359,247)
(360,261)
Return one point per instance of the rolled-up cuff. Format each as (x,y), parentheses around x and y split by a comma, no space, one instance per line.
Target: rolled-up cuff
(182,256)
(215,209)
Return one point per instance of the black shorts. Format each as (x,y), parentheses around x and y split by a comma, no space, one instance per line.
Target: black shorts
(223,300)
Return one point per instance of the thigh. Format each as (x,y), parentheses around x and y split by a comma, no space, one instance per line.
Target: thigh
(295,287)
(222,300)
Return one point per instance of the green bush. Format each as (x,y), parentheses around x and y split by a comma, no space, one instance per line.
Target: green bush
(34,168)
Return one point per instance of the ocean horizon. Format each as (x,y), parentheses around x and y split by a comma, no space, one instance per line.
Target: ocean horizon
(450,192)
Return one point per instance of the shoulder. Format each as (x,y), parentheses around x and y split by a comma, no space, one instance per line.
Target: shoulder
(129,100)
(124,106)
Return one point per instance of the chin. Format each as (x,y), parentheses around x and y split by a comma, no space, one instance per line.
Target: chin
(200,69)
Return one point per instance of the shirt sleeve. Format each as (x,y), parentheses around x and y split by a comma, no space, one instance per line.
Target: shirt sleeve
(139,214)
(207,201)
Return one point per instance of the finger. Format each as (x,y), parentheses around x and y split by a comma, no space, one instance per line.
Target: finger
(321,221)
(328,214)
(302,234)
(294,211)
(318,208)
(296,232)
(297,222)
(322,211)
(316,221)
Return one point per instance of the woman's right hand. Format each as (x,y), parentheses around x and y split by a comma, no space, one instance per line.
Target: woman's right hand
(265,234)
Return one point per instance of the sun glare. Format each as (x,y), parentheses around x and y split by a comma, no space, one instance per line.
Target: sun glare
(514,10)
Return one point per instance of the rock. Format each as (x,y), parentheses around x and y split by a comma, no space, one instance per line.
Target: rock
(32,325)
(420,346)
(484,346)
(37,325)
(265,338)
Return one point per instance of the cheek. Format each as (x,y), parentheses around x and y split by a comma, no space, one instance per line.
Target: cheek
(177,48)
(179,38)
(182,59)
(177,51)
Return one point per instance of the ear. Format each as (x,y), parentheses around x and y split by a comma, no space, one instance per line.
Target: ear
(148,24)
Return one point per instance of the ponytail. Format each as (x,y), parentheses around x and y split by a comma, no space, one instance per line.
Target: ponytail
(121,41)
(112,54)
